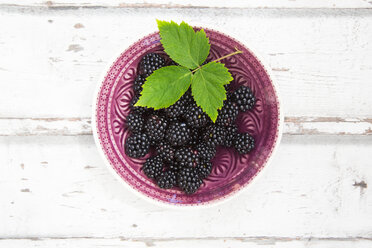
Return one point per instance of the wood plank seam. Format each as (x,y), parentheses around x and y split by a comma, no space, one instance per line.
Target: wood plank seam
(155,239)
(82,126)
(192,4)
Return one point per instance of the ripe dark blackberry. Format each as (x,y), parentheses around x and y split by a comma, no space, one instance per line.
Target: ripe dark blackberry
(135,122)
(171,62)
(204,169)
(195,137)
(188,98)
(231,132)
(176,109)
(136,109)
(186,157)
(178,134)
(151,62)
(171,120)
(165,151)
(196,117)
(153,167)
(137,85)
(137,145)
(244,98)
(167,180)
(227,115)
(188,180)
(205,152)
(174,166)
(214,135)
(243,143)
(155,128)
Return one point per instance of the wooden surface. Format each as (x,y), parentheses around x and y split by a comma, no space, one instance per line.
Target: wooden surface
(55,190)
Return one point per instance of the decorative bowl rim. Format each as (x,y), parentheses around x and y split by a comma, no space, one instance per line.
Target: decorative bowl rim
(208,204)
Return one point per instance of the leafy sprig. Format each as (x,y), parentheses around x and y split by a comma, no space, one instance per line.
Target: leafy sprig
(189,49)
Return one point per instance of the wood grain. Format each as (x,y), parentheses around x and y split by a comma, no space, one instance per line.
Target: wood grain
(239,242)
(59,187)
(55,190)
(82,126)
(193,4)
(321,58)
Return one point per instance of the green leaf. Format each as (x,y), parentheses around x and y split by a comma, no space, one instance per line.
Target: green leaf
(185,46)
(207,87)
(164,87)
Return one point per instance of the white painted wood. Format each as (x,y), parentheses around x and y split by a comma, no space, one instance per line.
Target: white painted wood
(197,4)
(51,126)
(258,242)
(82,126)
(59,187)
(51,60)
(329,126)
(55,191)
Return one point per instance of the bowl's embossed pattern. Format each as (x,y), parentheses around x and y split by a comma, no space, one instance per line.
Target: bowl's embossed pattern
(231,171)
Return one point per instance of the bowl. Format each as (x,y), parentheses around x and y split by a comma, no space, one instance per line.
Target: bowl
(231,172)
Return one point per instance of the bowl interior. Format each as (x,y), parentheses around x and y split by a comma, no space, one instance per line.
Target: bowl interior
(231,171)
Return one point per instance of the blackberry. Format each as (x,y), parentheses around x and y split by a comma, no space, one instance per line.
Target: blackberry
(137,145)
(136,109)
(188,180)
(172,119)
(167,180)
(155,128)
(244,98)
(231,132)
(227,115)
(171,62)
(178,134)
(187,98)
(196,117)
(176,109)
(151,62)
(138,82)
(186,157)
(195,137)
(165,151)
(174,166)
(205,152)
(243,143)
(214,135)
(153,167)
(135,122)
(204,169)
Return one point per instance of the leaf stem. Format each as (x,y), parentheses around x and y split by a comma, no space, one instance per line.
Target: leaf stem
(197,68)
(237,51)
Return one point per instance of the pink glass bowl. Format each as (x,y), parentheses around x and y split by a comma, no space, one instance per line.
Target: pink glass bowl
(231,171)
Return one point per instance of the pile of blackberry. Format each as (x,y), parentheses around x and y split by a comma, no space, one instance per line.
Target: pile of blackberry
(183,136)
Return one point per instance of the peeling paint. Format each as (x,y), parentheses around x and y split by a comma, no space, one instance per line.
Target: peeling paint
(78,25)
(75,48)
(362,184)
(280,69)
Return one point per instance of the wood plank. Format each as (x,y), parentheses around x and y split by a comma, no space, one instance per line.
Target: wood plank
(254,242)
(194,4)
(82,126)
(45,126)
(321,58)
(59,187)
